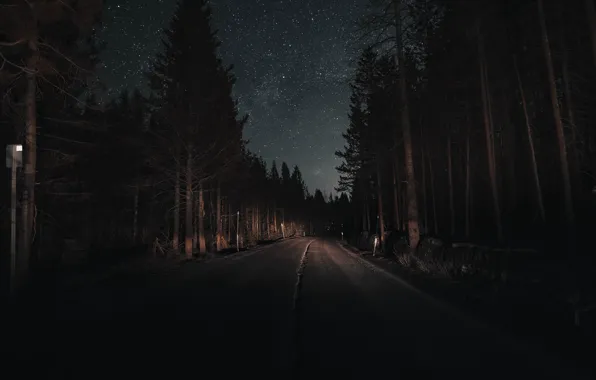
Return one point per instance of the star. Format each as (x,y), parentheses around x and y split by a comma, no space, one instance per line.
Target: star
(292,63)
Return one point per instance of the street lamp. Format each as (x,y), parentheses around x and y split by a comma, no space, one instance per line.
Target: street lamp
(14,159)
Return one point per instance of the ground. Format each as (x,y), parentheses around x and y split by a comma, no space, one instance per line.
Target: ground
(300,308)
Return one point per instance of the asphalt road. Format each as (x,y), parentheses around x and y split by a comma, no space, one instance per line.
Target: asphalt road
(301,308)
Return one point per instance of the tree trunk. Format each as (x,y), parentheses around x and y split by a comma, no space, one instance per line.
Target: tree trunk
(508,155)
(253,225)
(176,235)
(424,195)
(275,217)
(229,237)
(28,202)
(219,239)
(247,224)
(396,197)
(367,211)
(188,238)
(432,193)
(591,14)
(364,227)
(380,203)
(486,112)
(450,178)
(195,236)
(202,247)
(531,144)
(467,218)
(268,223)
(413,228)
(135,219)
(575,161)
(258,220)
(570,218)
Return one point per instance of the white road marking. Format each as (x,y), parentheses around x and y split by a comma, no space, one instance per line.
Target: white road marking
(300,274)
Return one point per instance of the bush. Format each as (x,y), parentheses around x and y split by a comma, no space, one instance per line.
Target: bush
(405,259)
(396,243)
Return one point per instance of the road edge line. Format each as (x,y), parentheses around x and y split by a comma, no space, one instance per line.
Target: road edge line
(520,344)
(445,305)
(377,268)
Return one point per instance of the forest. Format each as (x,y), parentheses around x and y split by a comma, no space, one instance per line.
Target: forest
(165,171)
(470,122)
(471,150)
(484,131)
(468,169)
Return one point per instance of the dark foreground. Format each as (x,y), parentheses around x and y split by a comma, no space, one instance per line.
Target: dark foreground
(261,313)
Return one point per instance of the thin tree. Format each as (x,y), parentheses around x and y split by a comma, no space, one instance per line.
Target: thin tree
(530,136)
(412,203)
(563,162)
(488,133)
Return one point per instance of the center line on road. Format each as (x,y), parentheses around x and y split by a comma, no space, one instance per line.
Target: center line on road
(300,274)
(296,310)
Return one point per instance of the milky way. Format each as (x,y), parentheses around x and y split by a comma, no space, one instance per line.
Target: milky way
(291,59)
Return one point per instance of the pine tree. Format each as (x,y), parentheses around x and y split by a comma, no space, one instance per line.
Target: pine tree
(192,92)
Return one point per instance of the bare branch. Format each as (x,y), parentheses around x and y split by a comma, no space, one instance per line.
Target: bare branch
(14,43)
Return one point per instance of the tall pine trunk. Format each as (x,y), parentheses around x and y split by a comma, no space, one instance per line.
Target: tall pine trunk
(591,14)
(364,227)
(569,213)
(253,224)
(229,235)
(424,195)
(450,178)
(380,203)
(268,223)
(396,196)
(432,193)
(219,238)
(530,136)
(367,211)
(258,221)
(189,233)
(275,217)
(488,132)
(202,247)
(176,235)
(574,161)
(467,220)
(195,233)
(412,204)
(28,202)
(135,218)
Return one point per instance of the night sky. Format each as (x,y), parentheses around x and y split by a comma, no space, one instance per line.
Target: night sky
(292,62)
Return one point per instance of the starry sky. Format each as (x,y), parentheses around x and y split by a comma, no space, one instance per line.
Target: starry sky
(292,60)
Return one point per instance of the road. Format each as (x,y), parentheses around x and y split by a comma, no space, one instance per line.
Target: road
(301,308)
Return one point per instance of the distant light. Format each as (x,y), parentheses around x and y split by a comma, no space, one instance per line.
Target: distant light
(19,148)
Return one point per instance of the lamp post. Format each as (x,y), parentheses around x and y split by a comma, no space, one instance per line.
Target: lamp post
(14,159)
(238,231)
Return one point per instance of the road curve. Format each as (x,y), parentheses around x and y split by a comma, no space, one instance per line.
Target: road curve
(283,311)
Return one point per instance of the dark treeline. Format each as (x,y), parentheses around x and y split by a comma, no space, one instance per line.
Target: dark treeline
(472,120)
(167,170)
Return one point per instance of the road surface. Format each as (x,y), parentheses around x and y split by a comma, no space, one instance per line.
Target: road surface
(301,308)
